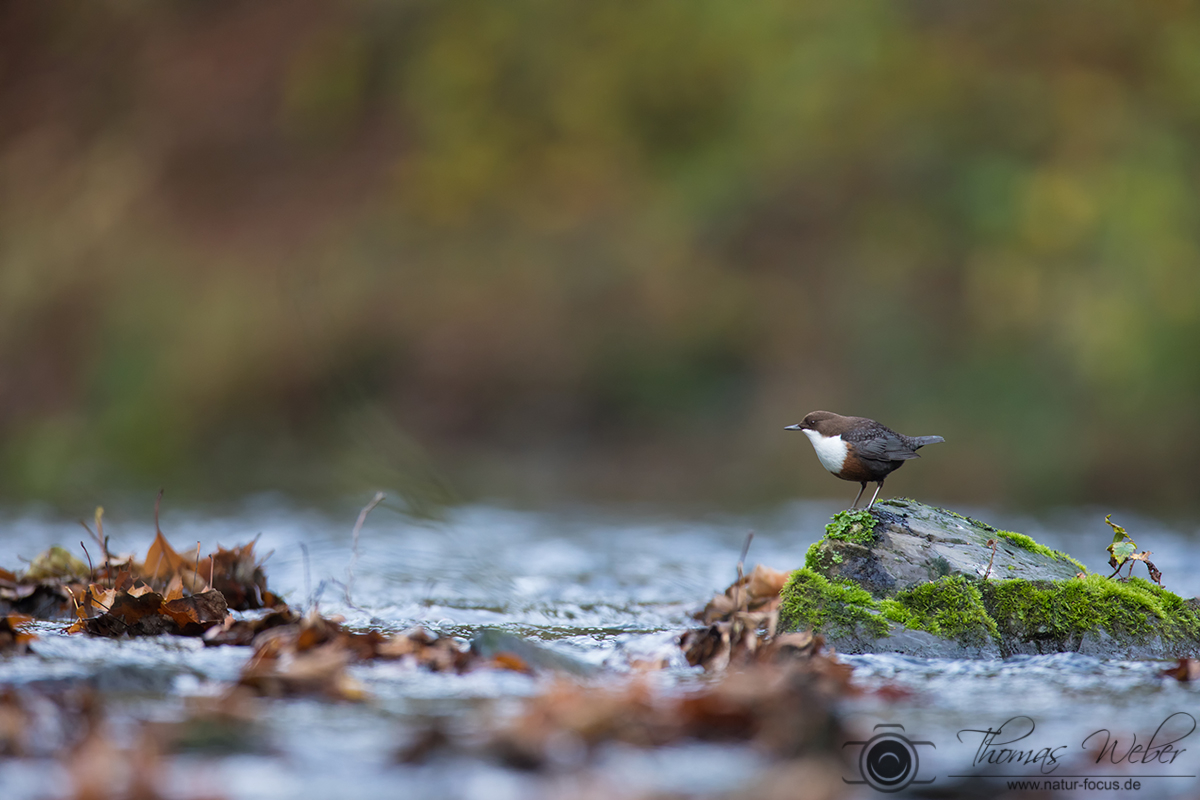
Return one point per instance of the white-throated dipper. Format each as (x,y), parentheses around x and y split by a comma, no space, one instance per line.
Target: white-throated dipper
(859,449)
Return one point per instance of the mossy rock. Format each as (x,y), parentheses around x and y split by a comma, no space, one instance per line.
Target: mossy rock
(900,544)
(909,578)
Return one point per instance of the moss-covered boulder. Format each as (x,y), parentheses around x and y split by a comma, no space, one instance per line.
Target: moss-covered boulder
(909,578)
(900,544)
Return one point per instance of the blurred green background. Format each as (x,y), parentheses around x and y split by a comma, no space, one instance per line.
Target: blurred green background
(608,250)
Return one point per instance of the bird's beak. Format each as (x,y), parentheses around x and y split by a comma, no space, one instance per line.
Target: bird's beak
(795,427)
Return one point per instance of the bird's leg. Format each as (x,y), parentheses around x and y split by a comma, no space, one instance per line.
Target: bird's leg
(879,485)
(860,494)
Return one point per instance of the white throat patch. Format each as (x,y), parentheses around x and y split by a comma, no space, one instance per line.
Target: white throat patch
(831,450)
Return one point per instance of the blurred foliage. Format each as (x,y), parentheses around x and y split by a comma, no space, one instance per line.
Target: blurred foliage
(607,247)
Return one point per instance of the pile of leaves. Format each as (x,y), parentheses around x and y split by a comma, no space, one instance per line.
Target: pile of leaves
(309,656)
(166,592)
(737,622)
(781,703)
(173,593)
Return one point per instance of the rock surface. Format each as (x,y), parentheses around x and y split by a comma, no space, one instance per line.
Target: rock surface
(915,543)
(909,578)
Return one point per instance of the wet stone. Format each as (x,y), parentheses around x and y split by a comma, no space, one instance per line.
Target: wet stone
(910,578)
(915,543)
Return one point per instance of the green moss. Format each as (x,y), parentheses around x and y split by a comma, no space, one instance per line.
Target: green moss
(1026,543)
(852,526)
(974,613)
(948,607)
(846,526)
(1065,610)
(812,558)
(811,601)
(820,560)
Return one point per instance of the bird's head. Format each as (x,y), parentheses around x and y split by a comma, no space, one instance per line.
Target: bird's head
(813,421)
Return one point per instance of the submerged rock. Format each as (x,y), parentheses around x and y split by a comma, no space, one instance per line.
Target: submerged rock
(909,578)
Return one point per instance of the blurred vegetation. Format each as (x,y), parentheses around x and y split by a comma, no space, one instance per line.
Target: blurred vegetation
(600,248)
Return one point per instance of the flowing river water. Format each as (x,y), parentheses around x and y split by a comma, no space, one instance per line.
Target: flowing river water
(607,587)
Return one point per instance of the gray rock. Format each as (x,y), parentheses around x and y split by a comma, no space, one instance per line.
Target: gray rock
(916,543)
(909,642)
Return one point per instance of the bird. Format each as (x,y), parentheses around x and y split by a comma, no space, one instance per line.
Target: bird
(859,449)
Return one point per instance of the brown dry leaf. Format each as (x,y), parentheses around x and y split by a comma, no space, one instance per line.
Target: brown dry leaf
(135,615)
(237,574)
(736,641)
(174,589)
(707,647)
(570,712)
(435,653)
(139,589)
(245,631)
(197,613)
(309,656)
(511,662)
(1188,669)
(649,664)
(15,720)
(274,672)
(316,630)
(140,611)
(39,600)
(783,706)
(12,638)
(739,621)
(765,583)
(756,592)
(162,562)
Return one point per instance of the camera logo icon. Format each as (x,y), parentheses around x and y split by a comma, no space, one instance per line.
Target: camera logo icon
(888,761)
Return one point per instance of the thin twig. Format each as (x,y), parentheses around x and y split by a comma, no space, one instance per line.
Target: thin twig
(362,517)
(737,585)
(307,576)
(100,537)
(91,569)
(196,571)
(157,503)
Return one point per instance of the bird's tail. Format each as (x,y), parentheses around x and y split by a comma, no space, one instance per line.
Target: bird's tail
(921,441)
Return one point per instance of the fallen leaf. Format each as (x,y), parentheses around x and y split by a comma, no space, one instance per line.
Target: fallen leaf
(765,583)
(138,610)
(1187,670)
(197,613)
(320,671)
(162,562)
(12,638)
(245,631)
(237,574)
